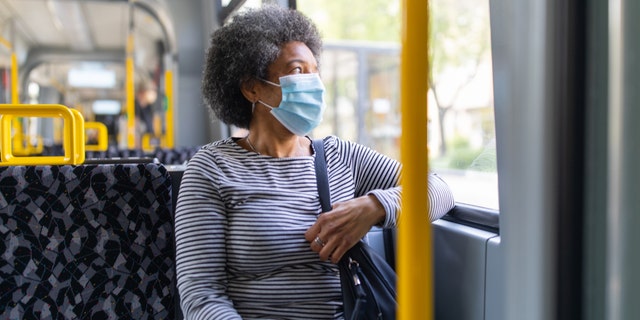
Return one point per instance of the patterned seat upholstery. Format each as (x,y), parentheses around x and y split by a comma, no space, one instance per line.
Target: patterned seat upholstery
(86,242)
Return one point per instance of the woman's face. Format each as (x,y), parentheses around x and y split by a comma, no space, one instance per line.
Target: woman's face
(295,57)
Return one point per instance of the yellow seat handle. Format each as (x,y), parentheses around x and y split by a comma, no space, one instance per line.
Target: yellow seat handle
(103,136)
(73,139)
(23,144)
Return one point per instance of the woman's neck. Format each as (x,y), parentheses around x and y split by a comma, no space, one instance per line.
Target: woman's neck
(277,146)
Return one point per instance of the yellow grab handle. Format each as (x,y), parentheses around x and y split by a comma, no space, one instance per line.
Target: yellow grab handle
(103,136)
(39,147)
(22,143)
(146,142)
(23,147)
(78,139)
(73,140)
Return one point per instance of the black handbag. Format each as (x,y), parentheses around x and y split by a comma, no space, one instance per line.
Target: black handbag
(368,282)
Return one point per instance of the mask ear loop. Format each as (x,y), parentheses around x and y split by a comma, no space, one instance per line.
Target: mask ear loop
(271,83)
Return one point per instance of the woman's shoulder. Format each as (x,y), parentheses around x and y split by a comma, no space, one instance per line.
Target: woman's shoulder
(332,142)
(220,148)
(221,144)
(335,144)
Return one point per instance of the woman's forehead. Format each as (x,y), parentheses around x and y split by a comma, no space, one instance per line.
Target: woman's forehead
(295,52)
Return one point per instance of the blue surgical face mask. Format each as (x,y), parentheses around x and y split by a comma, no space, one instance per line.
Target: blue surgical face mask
(302,103)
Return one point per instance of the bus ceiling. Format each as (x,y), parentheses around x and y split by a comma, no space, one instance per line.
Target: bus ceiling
(68,31)
(83,26)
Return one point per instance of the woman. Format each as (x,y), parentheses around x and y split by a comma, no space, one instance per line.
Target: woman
(250,240)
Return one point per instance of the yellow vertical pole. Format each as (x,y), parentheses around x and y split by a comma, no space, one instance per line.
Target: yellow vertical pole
(15,99)
(130,95)
(415,270)
(130,82)
(18,137)
(15,95)
(168,80)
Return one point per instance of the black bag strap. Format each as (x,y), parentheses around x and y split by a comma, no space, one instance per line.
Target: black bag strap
(325,199)
(357,302)
(389,241)
(321,175)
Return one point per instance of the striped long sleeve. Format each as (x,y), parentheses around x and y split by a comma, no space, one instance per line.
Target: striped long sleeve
(240,223)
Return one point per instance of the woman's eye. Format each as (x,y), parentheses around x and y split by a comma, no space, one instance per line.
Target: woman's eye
(297,70)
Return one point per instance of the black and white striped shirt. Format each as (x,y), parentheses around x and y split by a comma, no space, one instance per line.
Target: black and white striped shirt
(240,224)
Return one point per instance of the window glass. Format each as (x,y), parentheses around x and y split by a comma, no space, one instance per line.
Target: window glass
(360,67)
(339,70)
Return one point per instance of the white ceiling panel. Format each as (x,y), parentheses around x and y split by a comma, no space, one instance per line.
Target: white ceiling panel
(75,24)
(35,23)
(82,27)
(109,23)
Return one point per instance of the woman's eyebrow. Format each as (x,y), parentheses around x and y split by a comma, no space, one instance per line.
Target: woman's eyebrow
(300,61)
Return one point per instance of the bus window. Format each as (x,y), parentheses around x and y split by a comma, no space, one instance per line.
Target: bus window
(462,131)
(360,66)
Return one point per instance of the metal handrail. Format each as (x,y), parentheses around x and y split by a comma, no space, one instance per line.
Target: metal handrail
(103,136)
(73,140)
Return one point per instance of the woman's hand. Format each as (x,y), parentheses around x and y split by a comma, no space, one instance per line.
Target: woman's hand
(336,231)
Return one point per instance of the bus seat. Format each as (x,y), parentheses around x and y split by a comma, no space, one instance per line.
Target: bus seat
(383,242)
(175,156)
(465,254)
(88,241)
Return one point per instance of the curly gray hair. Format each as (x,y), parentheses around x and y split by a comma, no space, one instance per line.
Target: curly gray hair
(243,49)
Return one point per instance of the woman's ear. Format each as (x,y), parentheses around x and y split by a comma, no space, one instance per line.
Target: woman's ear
(248,88)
